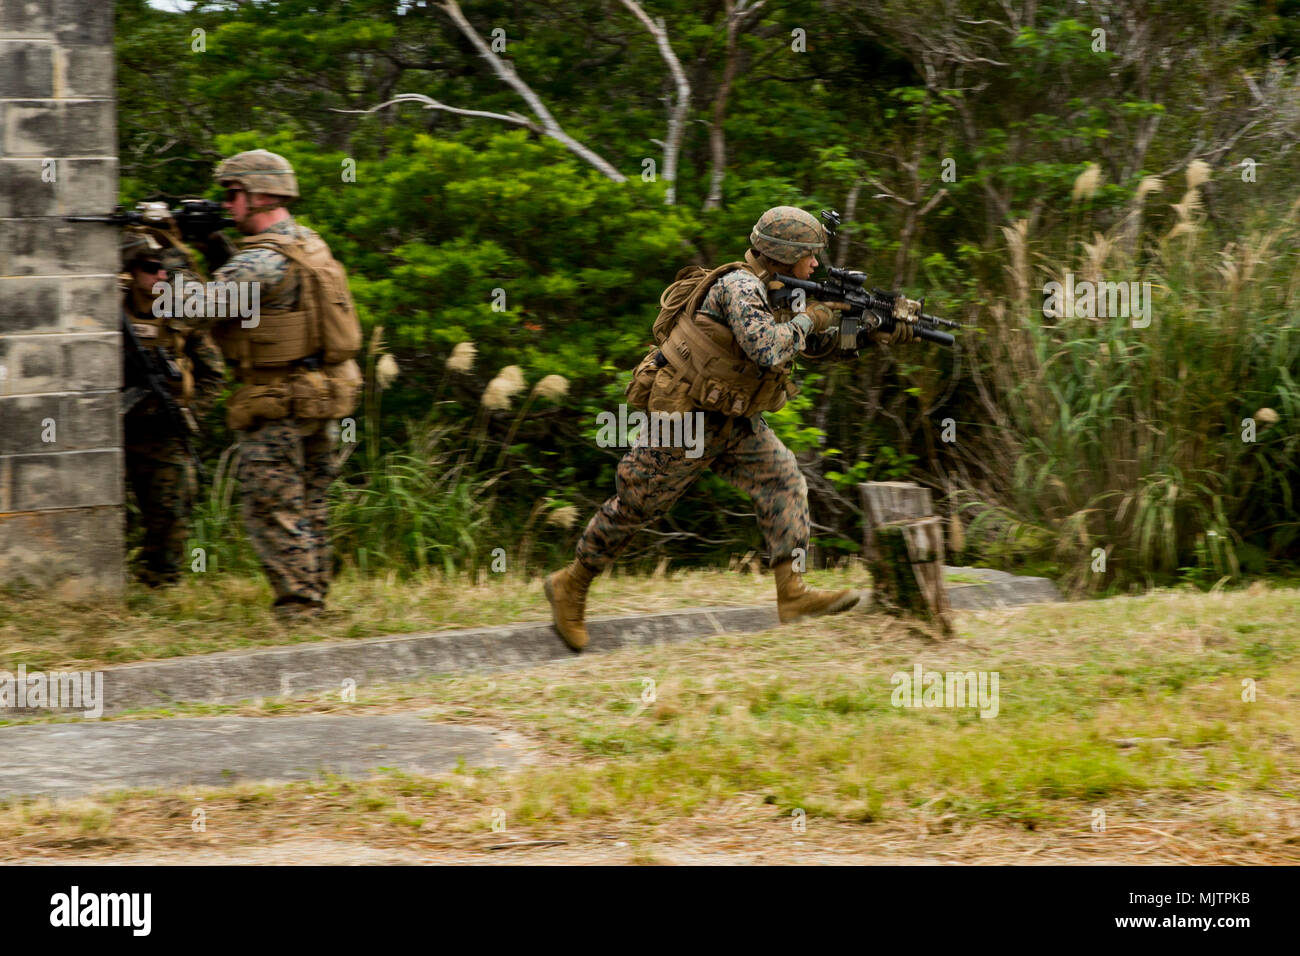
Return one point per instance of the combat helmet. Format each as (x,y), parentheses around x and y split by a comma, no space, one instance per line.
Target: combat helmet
(258,171)
(786,234)
(136,245)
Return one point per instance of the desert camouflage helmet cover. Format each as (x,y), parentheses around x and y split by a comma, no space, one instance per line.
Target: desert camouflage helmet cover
(258,171)
(787,234)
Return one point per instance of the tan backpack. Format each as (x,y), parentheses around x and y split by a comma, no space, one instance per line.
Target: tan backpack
(337,331)
(683,297)
(686,295)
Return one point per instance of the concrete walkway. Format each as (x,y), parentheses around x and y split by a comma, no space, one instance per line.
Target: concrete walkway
(63,760)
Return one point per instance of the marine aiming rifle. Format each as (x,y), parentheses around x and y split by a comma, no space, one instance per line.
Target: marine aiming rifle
(869,310)
(147,373)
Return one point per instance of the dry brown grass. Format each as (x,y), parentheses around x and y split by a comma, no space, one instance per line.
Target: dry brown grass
(1130,706)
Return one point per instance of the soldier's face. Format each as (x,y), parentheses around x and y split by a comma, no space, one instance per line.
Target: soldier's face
(147,274)
(236,203)
(803,269)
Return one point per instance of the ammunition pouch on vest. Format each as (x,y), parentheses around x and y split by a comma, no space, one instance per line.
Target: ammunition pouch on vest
(707,369)
(330,392)
(643,379)
(271,356)
(699,364)
(254,404)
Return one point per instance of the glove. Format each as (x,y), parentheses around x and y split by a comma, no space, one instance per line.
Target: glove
(824,314)
(217,249)
(902,334)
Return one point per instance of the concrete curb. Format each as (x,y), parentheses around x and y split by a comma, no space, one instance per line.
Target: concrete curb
(231,676)
(997,589)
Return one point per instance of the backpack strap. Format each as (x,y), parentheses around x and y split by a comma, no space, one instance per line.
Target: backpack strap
(291,247)
(686,294)
(707,282)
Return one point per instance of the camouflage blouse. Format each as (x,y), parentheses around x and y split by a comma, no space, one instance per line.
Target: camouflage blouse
(267,268)
(740,300)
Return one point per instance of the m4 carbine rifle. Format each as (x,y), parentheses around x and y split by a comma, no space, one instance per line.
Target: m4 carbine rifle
(196,218)
(869,310)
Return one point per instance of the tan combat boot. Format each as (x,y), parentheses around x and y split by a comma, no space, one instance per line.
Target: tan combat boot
(794,599)
(566,589)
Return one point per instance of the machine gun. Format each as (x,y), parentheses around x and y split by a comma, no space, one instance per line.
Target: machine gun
(869,310)
(147,373)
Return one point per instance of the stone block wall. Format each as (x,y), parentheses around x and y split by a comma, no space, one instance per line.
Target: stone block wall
(61,481)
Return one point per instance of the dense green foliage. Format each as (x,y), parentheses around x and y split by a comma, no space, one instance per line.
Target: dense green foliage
(1071,435)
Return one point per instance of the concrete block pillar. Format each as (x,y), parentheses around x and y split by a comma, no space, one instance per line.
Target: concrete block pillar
(61,481)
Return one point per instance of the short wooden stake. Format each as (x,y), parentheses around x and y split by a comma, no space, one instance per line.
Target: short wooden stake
(904,549)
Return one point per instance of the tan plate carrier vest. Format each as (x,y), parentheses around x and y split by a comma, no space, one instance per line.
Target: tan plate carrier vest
(267,355)
(707,369)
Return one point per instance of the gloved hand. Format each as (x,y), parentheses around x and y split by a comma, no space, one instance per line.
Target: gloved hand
(902,334)
(825,314)
(217,249)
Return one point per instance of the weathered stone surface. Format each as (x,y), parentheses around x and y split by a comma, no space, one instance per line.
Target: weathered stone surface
(92,362)
(87,187)
(78,22)
(75,553)
(31,17)
(61,512)
(57,127)
(60,363)
(84,70)
(62,760)
(82,421)
(30,363)
(78,479)
(82,303)
(26,68)
(31,304)
(50,247)
(23,192)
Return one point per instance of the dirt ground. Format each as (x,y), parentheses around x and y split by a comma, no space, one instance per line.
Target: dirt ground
(740,833)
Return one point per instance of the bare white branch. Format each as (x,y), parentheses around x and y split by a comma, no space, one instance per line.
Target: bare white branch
(509,76)
(679,107)
(429,103)
(737,13)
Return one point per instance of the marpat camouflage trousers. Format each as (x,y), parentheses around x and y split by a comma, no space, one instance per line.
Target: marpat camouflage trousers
(283,480)
(649,480)
(162,480)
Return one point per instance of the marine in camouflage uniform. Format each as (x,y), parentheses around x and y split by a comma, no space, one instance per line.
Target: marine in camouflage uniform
(744,452)
(286,463)
(158,467)
(736,318)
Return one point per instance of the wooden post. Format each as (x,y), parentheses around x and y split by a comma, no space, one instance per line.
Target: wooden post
(904,549)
